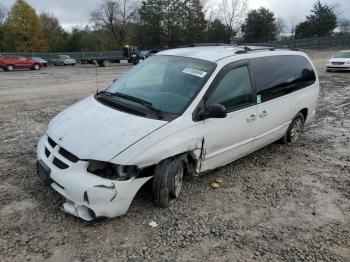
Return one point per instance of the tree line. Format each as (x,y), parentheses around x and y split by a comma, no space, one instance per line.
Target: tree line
(159,24)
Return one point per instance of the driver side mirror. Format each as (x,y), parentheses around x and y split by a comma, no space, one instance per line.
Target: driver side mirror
(213,111)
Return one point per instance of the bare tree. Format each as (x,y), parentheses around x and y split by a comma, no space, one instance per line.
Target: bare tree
(344,26)
(3,14)
(232,12)
(116,16)
(206,7)
(281,25)
(292,24)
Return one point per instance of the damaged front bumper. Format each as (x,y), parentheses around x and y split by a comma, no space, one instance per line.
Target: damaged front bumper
(87,196)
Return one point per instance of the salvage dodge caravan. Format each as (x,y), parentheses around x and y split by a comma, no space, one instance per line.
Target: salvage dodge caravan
(180,112)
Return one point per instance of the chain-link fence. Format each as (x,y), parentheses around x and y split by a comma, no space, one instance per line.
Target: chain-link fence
(305,43)
(311,43)
(76,55)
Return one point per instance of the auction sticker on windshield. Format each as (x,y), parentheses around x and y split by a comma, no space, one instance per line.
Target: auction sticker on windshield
(194,72)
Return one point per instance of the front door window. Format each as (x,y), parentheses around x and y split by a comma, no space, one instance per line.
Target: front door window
(234,90)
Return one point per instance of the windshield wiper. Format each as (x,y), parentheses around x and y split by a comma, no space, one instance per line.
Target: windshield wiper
(145,103)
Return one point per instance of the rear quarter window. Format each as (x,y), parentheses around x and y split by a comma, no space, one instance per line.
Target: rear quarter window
(276,76)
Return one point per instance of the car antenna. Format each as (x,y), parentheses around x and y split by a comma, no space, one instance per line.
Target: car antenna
(96,74)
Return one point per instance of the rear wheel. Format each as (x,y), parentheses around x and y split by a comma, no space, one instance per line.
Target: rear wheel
(9,68)
(295,129)
(167,182)
(73,64)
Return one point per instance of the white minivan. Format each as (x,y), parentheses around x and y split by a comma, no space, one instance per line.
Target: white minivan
(180,112)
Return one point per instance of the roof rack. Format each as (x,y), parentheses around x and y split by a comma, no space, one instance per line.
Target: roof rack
(246,49)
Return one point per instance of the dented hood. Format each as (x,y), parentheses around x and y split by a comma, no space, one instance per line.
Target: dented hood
(91,130)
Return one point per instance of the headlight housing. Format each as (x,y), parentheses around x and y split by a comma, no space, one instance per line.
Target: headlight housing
(112,171)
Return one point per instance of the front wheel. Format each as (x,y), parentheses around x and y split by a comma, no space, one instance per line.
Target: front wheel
(9,68)
(167,182)
(36,67)
(106,63)
(295,129)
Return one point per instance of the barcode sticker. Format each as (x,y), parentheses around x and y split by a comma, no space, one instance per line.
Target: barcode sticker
(194,72)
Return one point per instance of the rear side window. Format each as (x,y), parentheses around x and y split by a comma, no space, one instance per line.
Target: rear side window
(276,76)
(234,90)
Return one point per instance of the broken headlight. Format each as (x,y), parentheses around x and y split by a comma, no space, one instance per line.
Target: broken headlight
(111,171)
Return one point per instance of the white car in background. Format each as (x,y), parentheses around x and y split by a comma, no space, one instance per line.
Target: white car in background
(180,112)
(339,62)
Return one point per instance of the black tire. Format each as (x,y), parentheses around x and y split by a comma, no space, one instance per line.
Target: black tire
(9,68)
(167,182)
(73,64)
(328,70)
(106,63)
(294,129)
(36,67)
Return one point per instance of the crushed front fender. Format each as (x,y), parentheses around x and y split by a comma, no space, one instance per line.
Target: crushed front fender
(87,196)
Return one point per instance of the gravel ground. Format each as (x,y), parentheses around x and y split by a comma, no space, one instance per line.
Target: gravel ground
(281,203)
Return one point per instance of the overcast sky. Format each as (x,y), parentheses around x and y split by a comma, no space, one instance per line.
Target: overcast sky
(76,12)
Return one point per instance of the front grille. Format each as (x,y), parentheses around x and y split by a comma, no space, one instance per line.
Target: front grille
(68,155)
(47,152)
(51,142)
(338,63)
(59,163)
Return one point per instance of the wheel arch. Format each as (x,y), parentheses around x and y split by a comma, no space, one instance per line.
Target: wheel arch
(189,160)
(305,112)
(14,67)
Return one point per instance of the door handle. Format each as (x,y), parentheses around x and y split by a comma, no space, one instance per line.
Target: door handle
(263,114)
(251,117)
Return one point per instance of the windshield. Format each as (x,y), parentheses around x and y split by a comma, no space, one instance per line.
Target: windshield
(342,55)
(168,83)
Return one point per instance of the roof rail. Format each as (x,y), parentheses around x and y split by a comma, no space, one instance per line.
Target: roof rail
(207,44)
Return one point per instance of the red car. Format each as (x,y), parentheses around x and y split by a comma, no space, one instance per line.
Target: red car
(12,62)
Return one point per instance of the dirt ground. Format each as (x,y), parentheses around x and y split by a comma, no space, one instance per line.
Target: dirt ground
(281,203)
